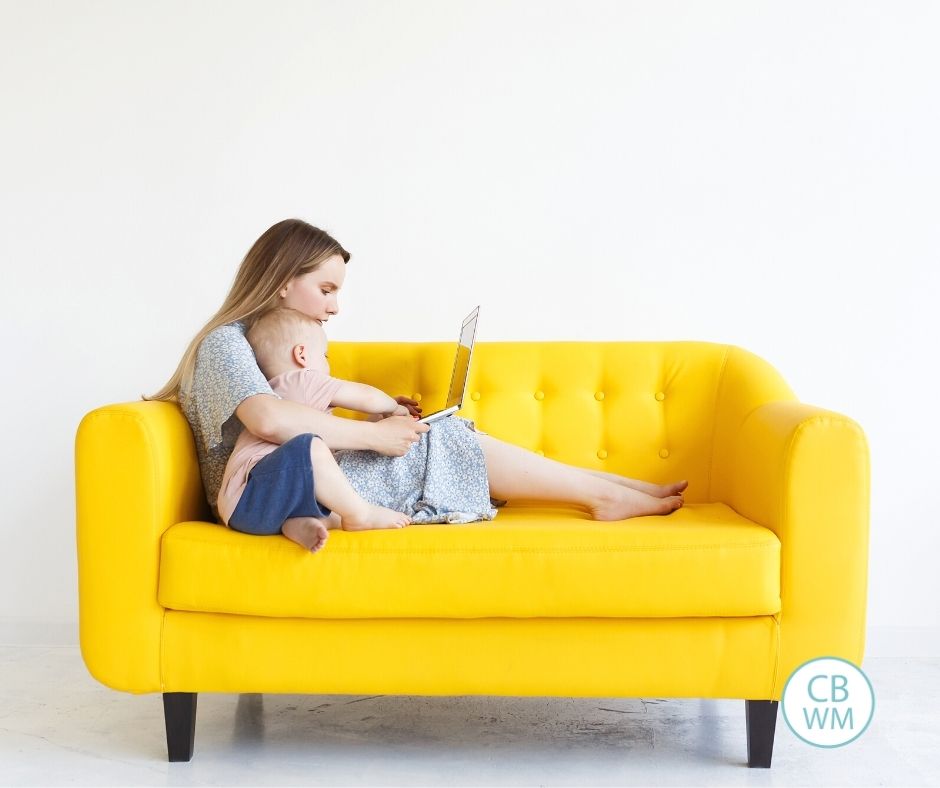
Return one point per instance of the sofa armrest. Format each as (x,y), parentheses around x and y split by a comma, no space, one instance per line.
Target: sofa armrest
(136,474)
(804,473)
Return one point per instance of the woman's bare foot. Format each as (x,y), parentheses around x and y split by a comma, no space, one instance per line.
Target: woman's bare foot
(666,490)
(308,532)
(622,502)
(656,490)
(368,516)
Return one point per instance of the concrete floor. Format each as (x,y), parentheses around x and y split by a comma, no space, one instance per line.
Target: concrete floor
(58,726)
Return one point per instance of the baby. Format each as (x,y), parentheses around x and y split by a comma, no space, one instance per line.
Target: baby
(290,349)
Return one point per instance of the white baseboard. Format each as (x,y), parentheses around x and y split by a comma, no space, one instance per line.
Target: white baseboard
(881,641)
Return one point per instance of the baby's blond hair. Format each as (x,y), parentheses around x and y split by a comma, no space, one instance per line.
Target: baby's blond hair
(273,335)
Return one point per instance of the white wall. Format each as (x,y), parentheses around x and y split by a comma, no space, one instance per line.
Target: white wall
(759,174)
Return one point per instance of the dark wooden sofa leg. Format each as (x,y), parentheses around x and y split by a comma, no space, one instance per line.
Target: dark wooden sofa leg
(179,712)
(761,716)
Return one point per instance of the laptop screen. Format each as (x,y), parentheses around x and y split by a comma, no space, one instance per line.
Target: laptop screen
(458,380)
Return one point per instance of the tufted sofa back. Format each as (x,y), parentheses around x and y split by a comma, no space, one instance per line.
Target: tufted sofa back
(657,411)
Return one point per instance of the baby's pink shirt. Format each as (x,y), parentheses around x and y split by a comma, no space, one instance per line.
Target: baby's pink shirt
(307,386)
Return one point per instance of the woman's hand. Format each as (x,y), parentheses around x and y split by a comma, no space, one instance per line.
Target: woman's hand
(410,405)
(396,435)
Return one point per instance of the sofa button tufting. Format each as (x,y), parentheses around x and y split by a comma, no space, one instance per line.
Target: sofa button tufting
(660,396)
(540,395)
(664,453)
(599,396)
(417,398)
(602,454)
(475,396)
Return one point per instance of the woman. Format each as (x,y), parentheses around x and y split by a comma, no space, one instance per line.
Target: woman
(220,389)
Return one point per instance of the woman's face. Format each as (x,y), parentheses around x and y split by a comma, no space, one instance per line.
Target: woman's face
(315,293)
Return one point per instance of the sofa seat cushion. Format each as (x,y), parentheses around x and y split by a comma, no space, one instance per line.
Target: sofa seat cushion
(531,561)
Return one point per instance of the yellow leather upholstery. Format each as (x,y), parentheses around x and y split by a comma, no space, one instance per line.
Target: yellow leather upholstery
(764,567)
(573,657)
(136,474)
(703,560)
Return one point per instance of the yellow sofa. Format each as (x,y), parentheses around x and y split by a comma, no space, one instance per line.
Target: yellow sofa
(764,567)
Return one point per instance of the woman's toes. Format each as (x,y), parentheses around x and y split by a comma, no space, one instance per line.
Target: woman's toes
(676,488)
(670,504)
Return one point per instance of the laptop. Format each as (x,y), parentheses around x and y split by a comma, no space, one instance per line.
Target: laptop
(458,380)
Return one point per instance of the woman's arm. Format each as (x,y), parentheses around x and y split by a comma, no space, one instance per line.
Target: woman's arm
(279,420)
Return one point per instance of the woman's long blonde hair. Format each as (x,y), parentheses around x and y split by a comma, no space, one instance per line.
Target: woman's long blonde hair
(287,249)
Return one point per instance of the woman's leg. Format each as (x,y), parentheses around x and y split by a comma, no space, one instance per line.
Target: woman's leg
(658,490)
(515,472)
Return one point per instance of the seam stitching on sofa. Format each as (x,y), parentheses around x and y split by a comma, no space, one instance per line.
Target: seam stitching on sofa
(163,651)
(776,620)
(148,445)
(515,550)
(301,615)
(447,618)
(784,512)
(711,454)
(782,515)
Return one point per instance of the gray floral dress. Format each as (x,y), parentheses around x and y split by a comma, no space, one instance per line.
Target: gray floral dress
(442,479)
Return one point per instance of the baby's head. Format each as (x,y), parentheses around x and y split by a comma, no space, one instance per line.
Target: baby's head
(284,339)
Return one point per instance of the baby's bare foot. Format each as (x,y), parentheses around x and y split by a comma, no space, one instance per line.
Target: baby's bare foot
(369,516)
(674,501)
(309,532)
(621,503)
